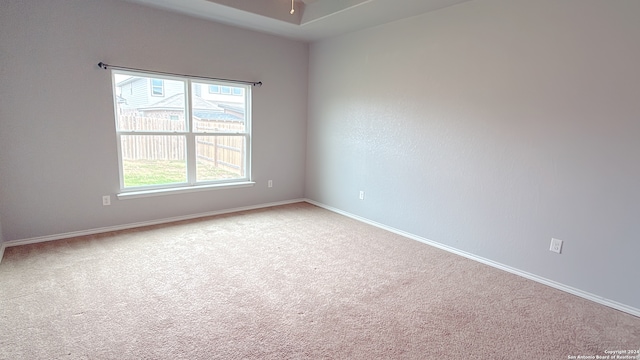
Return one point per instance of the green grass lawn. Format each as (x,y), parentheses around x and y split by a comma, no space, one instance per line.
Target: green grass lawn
(161,172)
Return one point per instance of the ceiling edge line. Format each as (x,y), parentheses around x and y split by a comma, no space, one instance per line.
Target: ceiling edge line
(302,24)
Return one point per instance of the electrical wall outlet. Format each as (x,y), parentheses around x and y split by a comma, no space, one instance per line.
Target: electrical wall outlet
(106,200)
(361,195)
(556,246)
(270,183)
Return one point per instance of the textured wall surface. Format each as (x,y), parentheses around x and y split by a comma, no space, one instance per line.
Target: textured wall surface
(491,126)
(58,151)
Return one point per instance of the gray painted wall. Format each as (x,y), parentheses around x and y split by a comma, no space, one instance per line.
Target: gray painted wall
(57,141)
(491,126)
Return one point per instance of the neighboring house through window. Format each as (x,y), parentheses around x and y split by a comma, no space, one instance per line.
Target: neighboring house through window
(165,141)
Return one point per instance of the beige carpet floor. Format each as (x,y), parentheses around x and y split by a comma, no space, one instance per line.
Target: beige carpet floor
(288,282)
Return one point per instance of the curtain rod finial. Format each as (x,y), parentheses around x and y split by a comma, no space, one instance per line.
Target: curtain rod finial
(102,65)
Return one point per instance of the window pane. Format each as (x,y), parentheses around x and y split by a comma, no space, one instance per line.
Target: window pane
(237,91)
(217,112)
(138,110)
(153,159)
(225,90)
(220,157)
(214,89)
(157,87)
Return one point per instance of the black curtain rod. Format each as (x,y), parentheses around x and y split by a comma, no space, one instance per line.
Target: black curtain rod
(107,66)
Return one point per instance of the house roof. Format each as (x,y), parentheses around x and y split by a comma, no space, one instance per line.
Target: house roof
(127,80)
(234,108)
(176,102)
(207,115)
(202,108)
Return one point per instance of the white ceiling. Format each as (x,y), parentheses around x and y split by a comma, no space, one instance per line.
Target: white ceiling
(313,19)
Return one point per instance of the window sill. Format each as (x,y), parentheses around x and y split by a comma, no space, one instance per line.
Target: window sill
(180,190)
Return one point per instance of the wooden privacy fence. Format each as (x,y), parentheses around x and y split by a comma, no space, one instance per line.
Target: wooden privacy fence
(153,147)
(226,152)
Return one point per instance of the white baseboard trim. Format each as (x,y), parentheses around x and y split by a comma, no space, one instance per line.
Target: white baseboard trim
(571,290)
(583,294)
(72,234)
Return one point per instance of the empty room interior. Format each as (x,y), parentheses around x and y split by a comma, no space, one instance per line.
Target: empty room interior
(319,179)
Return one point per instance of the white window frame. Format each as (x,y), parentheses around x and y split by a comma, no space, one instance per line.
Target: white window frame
(191,184)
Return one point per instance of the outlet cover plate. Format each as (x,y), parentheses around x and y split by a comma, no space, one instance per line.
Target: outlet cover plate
(556,246)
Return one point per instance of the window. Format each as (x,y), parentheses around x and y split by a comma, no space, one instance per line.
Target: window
(225,90)
(237,91)
(157,87)
(214,89)
(181,140)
